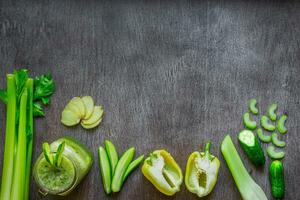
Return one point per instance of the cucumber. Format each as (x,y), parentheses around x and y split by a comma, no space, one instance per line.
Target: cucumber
(251,147)
(276,174)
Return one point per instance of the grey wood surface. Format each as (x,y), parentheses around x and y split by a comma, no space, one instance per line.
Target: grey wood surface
(170,74)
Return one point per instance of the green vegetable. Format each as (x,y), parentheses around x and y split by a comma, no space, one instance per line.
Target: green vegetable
(276,173)
(3,96)
(132,166)
(19,134)
(9,147)
(248,188)
(262,137)
(59,153)
(273,154)
(112,154)
(276,141)
(17,191)
(163,172)
(281,124)
(43,88)
(29,137)
(251,147)
(120,170)
(47,153)
(114,171)
(105,169)
(201,172)
(249,123)
(264,122)
(252,106)
(272,112)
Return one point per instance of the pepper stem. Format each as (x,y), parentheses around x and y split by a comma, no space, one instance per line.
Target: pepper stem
(207,148)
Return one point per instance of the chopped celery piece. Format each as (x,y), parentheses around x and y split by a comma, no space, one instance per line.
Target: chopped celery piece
(248,188)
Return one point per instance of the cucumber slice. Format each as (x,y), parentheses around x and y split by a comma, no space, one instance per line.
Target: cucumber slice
(55,180)
(69,118)
(90,126)
(248,122)
(89,106)
(251,147)
(273,154)
(262,137)
(276,141)
(96,116)
(77,102)
(265,123)
(281,124)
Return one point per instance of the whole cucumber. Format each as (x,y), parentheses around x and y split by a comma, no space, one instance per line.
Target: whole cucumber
(276,174)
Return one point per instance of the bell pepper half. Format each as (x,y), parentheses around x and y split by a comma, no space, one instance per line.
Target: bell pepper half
(202,172)
(163,172)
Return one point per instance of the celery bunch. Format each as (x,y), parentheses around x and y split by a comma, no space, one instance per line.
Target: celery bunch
(22,97)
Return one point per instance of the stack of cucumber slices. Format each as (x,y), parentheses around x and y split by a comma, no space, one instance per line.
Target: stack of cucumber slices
(82,110)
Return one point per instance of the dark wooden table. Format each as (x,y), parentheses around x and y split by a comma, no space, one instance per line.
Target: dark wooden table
(170,74)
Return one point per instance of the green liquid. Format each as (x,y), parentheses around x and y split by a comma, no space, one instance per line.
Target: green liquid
(76,163)
(55,180)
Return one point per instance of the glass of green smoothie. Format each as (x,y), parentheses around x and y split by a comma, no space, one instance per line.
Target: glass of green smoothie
(76,161)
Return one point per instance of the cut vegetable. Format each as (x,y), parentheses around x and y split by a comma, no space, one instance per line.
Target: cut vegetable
(276,141)
(89,106)
(72,107)
(264,122)
(273,154)
(47,153)
(112,154)
(134,164)
(252,106)
(77,101)
(281,124)
(163,172)
(262,136)
(201,172)
(97,114)
(248,188)
(90,126)
(251,147)
(276,173)
(249,123)
(272,112)
(69,118)
(105,169)
(120,170)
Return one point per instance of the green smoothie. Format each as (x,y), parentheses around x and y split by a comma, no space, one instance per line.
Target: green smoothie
(76,163)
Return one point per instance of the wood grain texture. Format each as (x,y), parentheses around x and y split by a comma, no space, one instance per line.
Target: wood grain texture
(170,74)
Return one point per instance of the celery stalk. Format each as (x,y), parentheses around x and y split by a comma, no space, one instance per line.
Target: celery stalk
(248,188)
(17,191)
(8,162)
(29,121)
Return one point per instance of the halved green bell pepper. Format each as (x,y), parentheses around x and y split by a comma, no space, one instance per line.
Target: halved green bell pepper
(163,172)
(202,172)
